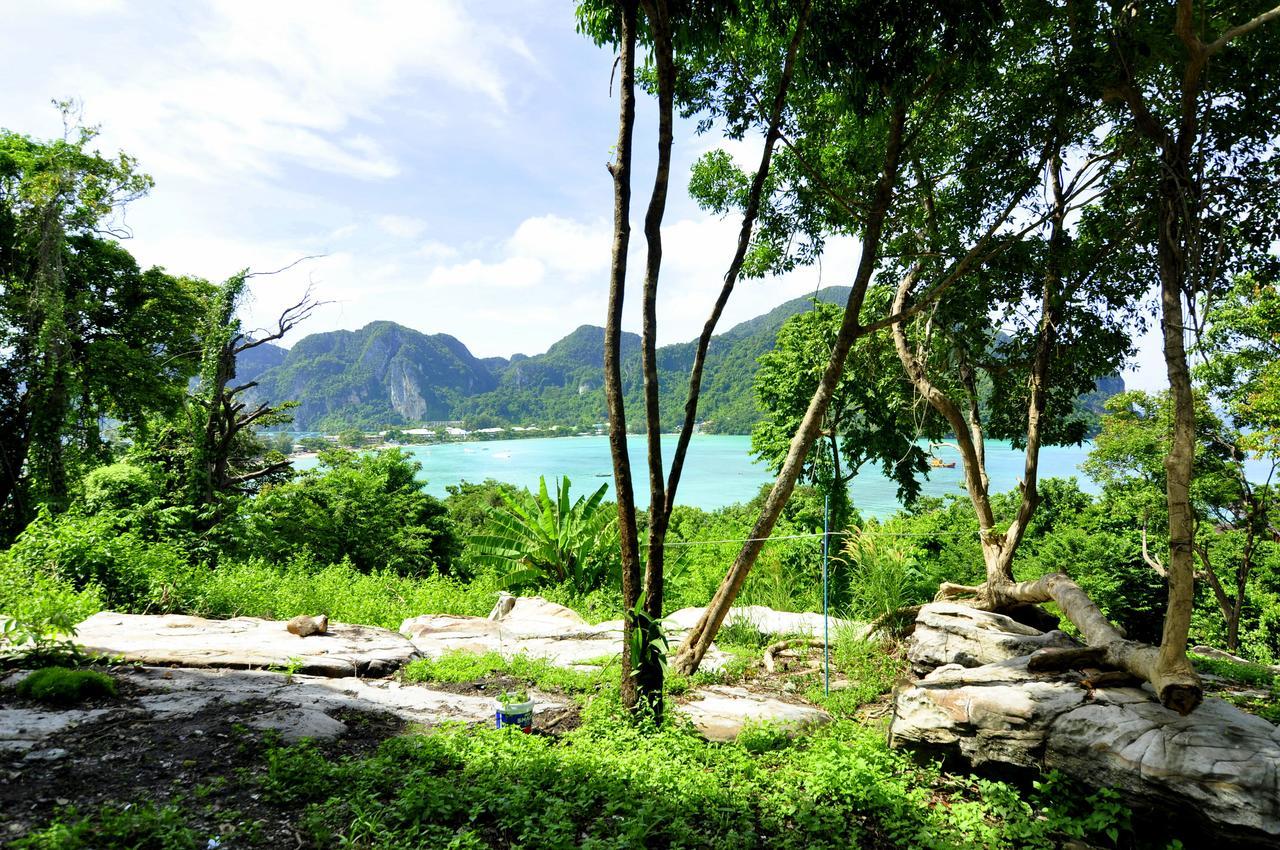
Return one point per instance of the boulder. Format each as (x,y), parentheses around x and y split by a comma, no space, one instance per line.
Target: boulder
(947,633)
(244,642)
(1218,765)
(720,713)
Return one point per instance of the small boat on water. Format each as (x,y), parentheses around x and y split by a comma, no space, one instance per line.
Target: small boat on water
(939,463)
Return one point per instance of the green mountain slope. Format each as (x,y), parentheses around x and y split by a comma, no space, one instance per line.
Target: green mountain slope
(382,374)
(388,375)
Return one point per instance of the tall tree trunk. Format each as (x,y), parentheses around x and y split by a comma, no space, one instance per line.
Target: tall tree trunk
(620,170)
(699,638)
(750,213)
(648,672)
(1174,191)
(51,401)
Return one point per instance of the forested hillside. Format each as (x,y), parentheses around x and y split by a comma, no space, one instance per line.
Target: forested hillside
(388,375)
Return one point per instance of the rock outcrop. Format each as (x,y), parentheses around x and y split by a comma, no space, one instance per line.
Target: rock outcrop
(1217,765)
(244,642)
(947,633)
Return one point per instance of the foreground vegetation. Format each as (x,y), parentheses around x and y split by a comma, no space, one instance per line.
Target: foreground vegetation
(607,783)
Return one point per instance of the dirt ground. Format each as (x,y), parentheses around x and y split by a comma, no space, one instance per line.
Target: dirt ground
(200,760)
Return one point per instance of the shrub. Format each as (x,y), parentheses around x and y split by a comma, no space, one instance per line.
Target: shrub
(118,487)
(129,572)
(64,686)
(368,509)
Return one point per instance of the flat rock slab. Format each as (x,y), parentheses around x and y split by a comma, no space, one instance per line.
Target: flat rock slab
(296,707)
(1218,765)
(720,713)
(295,703)
(244,643)
(540,629)
(23,730)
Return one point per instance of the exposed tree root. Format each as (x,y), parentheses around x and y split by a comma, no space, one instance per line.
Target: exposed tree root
(771,652)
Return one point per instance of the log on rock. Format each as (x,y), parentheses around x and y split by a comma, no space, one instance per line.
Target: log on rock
(955,633)
(1217,766)
(1177,686)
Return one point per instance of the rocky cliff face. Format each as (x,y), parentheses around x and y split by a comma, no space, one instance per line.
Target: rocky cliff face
(383,373)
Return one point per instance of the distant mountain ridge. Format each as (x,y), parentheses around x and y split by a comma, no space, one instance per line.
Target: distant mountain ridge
(388,375)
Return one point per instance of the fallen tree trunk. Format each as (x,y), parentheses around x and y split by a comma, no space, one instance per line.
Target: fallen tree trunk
(1177,690)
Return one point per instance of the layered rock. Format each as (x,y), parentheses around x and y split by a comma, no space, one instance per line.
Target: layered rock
(1218,764)
(947,633)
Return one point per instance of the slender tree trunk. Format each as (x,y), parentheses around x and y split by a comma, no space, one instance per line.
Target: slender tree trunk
(749,215)
(1177,202)
(648,672)
(699,638)
(620,170)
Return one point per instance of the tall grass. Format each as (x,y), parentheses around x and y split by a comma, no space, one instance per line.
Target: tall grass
(380,598)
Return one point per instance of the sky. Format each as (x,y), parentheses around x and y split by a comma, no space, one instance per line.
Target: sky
(444,162)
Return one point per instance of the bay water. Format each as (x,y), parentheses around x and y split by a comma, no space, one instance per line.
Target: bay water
(718,471)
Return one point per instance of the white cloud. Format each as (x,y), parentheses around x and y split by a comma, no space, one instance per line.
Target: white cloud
(513,272)
(401,226)
(235,88)
(575,248)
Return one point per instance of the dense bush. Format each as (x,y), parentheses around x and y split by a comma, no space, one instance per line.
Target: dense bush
(366,508)
(94,554)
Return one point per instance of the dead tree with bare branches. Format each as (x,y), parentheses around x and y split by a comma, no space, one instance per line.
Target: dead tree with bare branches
(226,459)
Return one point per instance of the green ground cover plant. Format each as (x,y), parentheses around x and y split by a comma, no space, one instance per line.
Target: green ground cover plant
(65,686)
(462,666)
(609,784)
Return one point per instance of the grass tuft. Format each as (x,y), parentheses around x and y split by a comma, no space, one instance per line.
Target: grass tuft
(63,686)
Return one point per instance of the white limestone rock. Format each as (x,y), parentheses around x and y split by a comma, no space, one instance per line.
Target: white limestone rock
(1217,765)
(720,712)
(947,633)
(243,643)
(528,625)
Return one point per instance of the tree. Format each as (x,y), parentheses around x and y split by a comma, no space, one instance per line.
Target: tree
(226,458)
(84,333)
(1198,102)
(887,81)
(539,539)
(870,417)
(1231,513)
(695,30)
(368,508)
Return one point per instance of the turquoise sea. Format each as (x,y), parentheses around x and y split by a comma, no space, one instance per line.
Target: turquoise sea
(719,470)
